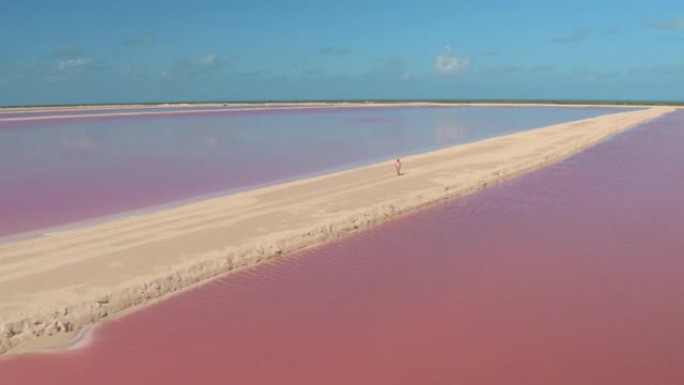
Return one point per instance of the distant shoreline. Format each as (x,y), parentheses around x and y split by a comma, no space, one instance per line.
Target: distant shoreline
(120,110)
(560,102)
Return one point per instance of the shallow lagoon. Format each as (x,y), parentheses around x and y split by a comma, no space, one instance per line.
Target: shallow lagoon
(61,171)
(569,275)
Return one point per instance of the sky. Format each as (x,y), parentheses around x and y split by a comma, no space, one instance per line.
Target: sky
(80,52)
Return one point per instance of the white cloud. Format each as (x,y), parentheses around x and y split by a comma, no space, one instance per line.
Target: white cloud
(207,61)
(447,64)
(74,63)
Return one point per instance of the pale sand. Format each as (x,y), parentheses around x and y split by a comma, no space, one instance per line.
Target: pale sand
(52,286)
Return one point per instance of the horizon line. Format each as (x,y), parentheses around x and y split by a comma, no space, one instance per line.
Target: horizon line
(333,101)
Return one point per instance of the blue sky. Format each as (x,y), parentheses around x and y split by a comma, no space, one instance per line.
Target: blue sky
(55,52)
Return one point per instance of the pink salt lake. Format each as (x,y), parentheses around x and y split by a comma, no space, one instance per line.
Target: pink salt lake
(570,275)
(56,172)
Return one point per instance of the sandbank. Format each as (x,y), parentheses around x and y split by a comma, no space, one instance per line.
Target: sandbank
(53,286)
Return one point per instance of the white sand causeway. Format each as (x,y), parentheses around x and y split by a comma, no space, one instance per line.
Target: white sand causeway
(52,286)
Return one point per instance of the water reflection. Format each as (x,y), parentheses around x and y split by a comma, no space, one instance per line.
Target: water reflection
(78,145)
(448,130)
(190,155)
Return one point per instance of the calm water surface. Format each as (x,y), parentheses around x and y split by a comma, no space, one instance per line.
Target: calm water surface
(55,172)
(570,275)
(48,112)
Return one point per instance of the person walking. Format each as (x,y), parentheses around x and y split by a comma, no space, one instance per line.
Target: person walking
(397,165)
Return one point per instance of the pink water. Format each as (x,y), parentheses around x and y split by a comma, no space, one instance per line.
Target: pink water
(57,172)
(570,275)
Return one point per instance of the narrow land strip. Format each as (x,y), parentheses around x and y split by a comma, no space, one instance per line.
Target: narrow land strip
(52,286)
(164,110)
